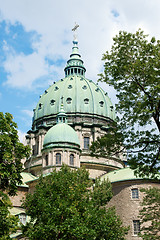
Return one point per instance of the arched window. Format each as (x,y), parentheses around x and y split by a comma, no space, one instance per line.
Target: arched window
(46,158)
(135,193)
(71,159)
(58,158)
(86,142)
(22,218)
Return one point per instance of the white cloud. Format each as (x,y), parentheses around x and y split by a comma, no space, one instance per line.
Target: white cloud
(24,70)
(53,20)
(21,136)
(28,112)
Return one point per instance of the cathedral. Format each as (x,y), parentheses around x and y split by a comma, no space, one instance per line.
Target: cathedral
(69,116)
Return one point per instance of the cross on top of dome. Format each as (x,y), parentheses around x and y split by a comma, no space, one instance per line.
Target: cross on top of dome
(75,63)
(75,41)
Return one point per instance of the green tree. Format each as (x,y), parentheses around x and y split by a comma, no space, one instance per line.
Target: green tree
(8,222)
(11,153)
(150,214)
(132,67)
(66,205)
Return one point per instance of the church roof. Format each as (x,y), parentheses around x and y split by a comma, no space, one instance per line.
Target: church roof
(25,178)
(80,94)
(61,133)
(124,174)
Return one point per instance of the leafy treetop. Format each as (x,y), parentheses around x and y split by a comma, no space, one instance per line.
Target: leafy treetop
(132,67)
(11,154)
(8,223)
(65,205)
(150,214)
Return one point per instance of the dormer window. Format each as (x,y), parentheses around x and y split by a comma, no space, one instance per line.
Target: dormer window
(111,107)
(70,86)
(86,100)
(56,88)
(101,103)
(84,87)
(40,105)
(52,102)
(69,100)
(97,89)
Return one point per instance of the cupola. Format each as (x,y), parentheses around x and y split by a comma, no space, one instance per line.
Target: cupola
(60,145)
(75,63)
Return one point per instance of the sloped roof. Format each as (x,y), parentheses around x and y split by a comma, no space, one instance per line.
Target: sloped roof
(25,178)
(123,174)
(16,210)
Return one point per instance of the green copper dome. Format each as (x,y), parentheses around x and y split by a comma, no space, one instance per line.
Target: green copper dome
(61,133)
(80,95)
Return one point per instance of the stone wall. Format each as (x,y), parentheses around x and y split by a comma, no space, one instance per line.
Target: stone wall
(17,200)
(127,207)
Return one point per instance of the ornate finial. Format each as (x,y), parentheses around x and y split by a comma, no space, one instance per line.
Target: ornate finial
(75,32)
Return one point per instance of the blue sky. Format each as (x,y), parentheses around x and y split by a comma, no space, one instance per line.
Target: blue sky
(36,41)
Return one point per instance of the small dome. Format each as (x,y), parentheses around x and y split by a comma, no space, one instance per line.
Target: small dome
(59,135)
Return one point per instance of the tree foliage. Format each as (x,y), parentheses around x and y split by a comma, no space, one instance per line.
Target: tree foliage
(66,205)
(132,67)
(11,154)
(150,214)
(8,223)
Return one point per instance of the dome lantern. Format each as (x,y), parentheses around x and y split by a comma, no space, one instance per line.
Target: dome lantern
(75,63)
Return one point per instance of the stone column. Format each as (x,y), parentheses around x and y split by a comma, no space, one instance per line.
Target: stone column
(40,143)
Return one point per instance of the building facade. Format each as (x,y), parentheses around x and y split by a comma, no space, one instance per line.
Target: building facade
(69,115)
(89,112)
